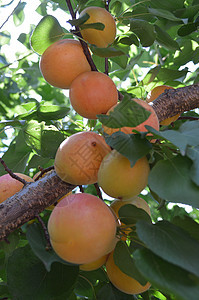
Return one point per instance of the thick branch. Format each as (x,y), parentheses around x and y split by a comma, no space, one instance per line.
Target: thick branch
(30,201)
(175,101)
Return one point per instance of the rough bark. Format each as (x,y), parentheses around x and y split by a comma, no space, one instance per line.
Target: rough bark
(35,197)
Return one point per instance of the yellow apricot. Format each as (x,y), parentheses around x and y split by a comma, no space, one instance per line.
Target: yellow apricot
(82,228)
(92,93)
(100,38)
(10,186)
(95,264)
(122,281)
(62,62)
(118,179)
(78,158)
(151,121)
(153,94)
(137,201)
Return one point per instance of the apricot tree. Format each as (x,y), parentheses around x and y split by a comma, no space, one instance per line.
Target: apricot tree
(138,46)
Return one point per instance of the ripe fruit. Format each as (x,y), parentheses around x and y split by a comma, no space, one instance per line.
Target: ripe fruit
(10,186)
(95,264)
(137,201)
(154,93)
(62,62)
(122,281)
(78,158)
(82,228)
(118,179)
(100,38)
(92,93)
(151,121)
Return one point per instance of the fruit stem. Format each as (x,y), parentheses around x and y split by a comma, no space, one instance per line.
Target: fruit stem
(12,174)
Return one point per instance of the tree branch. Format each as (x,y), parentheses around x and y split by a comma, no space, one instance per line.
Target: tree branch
(36,196)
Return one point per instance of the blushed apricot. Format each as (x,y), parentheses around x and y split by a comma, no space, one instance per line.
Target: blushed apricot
(151,121)
(92,93)
(95,264)
(78,158)
(62,62)
(118,179)
(82,228)
(122,281)
(100,38)
(10,186)
(153,94)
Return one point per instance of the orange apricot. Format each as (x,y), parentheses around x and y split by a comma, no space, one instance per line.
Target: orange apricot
(151,121)
(82,228)
(118,179)
(122,281)
(62,62)
(92,93)
(78,158)
(153,94)
(95,264)
(100,38)
(10,186)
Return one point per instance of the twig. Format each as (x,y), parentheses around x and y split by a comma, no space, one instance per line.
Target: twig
(98,191)
(12,174)
(106,65)
(10,15)
(43,171)
(48,245)
(81,189)
(17,60)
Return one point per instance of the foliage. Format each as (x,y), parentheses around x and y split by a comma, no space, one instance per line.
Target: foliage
(157,43)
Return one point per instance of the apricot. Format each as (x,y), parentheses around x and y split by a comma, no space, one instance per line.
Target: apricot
(118,179)
(82,228)
(95,264)
(151,121)
(62,62)
(78,158)
(51,207)
(10,186)
(153,94)
(92,93)
(137,201)
(122,281)
(100,38)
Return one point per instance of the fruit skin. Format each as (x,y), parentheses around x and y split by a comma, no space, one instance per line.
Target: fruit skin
(82,228)
(78,158)
(10,186)
(100,38)
(118,179)
(153,94)
(121,281)
(137,201)
(92,93)
(62,62)
(151,121)
(95,264)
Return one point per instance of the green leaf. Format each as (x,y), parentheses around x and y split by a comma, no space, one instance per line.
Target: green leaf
(46,33)
(18,15)
(106,52)
(163,14)
(166,276)
(164,39)
(170,180)
(97,26)
(187,29)
(127,113)
(5,37)
(188,12)
(37,241)
(108,291)
(125,262)
(48,111)
(79,21)
(50,141)
(130,214)
(129,40)
(171,243)
(193,154)
(132,146)
(144,30)
(188,224)
(28,278)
